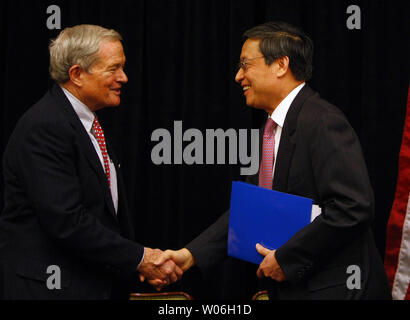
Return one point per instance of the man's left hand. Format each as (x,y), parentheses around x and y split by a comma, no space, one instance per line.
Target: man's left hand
(269,267)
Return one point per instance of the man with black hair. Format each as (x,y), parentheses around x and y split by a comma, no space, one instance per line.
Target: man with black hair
(309,149)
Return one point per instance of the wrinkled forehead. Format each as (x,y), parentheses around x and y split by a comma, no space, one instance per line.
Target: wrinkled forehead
(111,52)
(110,48)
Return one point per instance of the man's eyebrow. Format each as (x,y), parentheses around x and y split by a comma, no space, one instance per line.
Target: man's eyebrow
(117,65)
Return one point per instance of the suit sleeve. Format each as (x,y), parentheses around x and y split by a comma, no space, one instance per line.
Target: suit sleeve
(47,161)
(345,193)
(210,247)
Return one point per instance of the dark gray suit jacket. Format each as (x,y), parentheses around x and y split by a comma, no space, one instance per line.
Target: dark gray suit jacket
(58,210)
(319,157)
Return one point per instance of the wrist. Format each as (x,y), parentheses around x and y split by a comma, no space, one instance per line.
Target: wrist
(189,258)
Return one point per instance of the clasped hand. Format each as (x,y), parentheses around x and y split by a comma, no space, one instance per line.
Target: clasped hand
(158,275)
(168,266)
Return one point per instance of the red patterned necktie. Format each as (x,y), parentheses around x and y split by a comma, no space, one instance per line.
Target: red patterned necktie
(268,155)
(99,134)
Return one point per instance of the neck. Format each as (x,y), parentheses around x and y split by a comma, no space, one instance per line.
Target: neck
(284,92)
(75,92)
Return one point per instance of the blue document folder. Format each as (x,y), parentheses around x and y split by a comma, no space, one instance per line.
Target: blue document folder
(260,215)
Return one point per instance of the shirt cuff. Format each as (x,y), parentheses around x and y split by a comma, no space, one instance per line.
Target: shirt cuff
(142,259)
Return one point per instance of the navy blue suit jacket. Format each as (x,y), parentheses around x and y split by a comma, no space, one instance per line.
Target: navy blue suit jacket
(58,210)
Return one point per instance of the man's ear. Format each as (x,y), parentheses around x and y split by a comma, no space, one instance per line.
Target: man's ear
(76,75)
(283,66)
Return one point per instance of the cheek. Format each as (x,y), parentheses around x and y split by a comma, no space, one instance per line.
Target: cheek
(107,89)
(109,84)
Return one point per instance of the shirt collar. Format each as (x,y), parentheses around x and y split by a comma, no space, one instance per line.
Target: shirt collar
(281,110)
(83,112)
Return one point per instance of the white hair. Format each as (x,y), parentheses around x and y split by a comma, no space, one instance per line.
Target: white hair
(77,45)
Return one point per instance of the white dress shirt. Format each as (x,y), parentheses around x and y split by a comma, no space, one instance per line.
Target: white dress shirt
(87,118)
(279,116)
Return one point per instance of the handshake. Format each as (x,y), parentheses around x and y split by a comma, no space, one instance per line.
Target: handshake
(161,268)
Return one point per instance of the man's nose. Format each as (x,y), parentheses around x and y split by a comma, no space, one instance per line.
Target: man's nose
(122,77)
(239,75)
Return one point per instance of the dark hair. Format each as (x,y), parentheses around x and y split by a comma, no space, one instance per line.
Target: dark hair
(279,39)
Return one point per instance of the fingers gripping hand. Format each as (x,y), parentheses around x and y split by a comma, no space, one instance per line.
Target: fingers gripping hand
(182,258)
(158,275)
(173,271)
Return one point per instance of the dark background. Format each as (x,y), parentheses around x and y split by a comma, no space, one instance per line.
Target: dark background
(181,63)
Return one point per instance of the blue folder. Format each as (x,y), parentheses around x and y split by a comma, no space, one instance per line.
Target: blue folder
(260,215)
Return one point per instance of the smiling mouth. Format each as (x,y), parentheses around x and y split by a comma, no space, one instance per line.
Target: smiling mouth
(246,88)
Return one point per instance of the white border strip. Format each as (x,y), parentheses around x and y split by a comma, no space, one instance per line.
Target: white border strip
(402,278)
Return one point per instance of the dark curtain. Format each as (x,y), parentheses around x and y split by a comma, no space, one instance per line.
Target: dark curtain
(181,62)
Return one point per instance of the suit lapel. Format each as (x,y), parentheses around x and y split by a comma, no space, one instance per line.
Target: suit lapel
(85,144)
(287,140)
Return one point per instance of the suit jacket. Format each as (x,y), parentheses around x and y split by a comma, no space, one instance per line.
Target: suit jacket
(58,210)
(319,157)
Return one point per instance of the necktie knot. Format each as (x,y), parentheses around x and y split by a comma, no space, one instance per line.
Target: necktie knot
(270,127)
(96,125)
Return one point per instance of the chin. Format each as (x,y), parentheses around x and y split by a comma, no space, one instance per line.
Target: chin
(115,102)
(250,103)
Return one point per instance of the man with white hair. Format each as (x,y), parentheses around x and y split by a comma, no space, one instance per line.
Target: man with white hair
(65,224)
